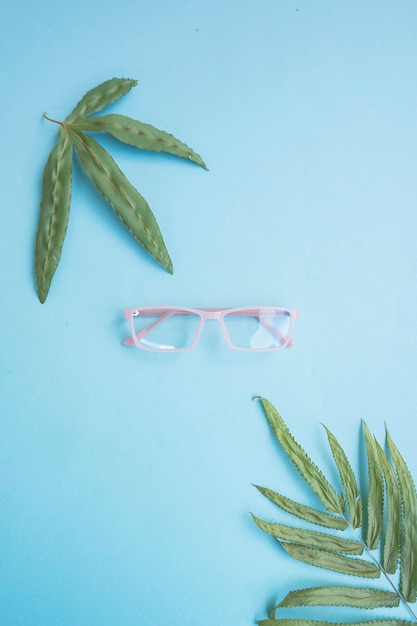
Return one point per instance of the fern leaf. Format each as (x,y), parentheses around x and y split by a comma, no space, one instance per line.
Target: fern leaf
(307,469)
(408,549)
(391,520)
(355,597)
(310,538)
(312,622)
(348,480)
(375,492)
(391,544)
(304,512)
(332,561)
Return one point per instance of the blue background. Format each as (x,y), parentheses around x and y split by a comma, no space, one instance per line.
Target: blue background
(125,476)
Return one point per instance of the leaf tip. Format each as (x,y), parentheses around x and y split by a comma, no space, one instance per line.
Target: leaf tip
(41,289)
(42,293)
(131,81)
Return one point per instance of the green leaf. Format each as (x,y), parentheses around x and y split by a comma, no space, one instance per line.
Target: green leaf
(375,492)
(129,205)
(54,213)
(408,579)
(312,622)
(304,512)
(308,470)
(101,96)
(348,480)
(355,597)
(391,517)
(392,534)
(140,135)
(310,537)
(332,561)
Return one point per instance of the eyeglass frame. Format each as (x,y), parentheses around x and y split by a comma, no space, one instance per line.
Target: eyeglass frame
(204,314)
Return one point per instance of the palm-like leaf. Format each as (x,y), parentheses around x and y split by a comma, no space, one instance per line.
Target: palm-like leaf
(388,506)
(128,203)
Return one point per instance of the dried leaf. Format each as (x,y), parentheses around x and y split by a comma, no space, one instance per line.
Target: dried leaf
(332,561)
(310,538)
(375,492)
(136,133)
(129,205)
(312,622)
(348,480)
(308,470)
(355,597)
(54,213)
(386,516)
(392,535)
(408,550)
(304,512)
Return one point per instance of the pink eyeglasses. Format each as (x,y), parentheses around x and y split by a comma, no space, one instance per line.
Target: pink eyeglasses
(177,329)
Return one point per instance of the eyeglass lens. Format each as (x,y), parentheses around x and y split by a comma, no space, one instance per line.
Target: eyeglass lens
(171,330)
(258,329)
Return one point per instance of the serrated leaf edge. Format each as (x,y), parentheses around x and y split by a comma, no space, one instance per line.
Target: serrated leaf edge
(42,283)
(162,252)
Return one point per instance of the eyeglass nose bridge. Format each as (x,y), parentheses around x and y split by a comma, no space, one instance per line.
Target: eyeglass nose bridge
(211,315)
(219,315)
(208,315)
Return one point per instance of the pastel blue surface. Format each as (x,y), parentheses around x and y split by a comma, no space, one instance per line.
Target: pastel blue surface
(126,477)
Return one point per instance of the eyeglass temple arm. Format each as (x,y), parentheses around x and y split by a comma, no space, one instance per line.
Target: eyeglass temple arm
(278,334)
(130,341)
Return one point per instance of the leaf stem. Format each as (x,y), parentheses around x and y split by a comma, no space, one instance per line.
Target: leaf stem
(52,120)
